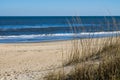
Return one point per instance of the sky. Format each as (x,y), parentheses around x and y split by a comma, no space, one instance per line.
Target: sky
(59,7)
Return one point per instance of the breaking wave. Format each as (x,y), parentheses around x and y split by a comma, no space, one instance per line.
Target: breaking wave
(80,35)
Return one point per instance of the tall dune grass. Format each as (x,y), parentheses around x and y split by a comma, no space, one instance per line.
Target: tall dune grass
(93,59)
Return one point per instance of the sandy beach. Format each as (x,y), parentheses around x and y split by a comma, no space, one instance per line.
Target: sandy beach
(20,61)
(18,58)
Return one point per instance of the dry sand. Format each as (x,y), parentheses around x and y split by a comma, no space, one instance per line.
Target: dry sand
(27,61)
(20,58)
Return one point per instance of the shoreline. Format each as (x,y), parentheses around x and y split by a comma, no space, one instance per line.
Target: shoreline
(37,42)
(39,39)
(59,40)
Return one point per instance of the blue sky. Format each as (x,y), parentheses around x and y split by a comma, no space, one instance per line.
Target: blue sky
(59,7)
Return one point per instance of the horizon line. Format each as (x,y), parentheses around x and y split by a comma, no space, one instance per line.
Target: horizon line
(65,16)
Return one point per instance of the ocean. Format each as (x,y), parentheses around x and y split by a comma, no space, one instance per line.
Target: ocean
(19,29)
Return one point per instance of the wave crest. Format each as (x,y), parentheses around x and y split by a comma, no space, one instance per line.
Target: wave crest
(80,35)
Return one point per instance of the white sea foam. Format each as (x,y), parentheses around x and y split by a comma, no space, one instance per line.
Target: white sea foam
(83,34)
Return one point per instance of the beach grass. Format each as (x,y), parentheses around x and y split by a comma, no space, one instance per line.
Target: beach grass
(102,64)
(91,59)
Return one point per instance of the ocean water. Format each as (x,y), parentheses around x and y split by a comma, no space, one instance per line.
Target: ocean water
(52,28)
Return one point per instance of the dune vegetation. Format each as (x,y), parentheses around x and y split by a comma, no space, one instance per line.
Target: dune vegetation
(91,59)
